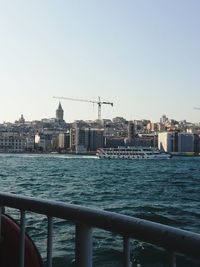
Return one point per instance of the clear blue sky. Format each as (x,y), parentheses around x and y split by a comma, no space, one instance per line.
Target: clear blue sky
(143,55)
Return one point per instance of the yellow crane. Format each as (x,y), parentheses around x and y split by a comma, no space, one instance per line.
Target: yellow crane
(99,102)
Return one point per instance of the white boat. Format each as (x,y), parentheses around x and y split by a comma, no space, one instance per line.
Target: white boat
(131,153)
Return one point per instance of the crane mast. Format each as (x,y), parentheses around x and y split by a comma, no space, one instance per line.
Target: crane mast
(99,102)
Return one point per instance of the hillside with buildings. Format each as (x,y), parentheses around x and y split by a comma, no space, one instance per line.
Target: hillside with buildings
(55,135)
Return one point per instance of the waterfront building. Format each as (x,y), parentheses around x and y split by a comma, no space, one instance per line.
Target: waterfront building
(64,141)
(142,140)
(86,139)
(81,140)
(43,142)
(186,142)
(113,141)
(146,140)
(95,138)
(80,149)
(61,140)
(54,142)
(12,142)
(30,144)
(176,142)
(197,144)
(168,142)
(72,137)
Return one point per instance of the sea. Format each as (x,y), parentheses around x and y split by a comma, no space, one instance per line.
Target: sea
(164,191)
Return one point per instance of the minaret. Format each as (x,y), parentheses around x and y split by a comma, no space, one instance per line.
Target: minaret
(59,113)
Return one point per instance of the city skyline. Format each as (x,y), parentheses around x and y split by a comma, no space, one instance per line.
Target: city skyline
(141,55)
(59,116)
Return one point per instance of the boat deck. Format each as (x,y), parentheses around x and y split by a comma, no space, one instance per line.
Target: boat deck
(171,239)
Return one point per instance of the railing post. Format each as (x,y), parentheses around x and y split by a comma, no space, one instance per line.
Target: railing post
(83,253)
(0,222)
(172,258)
(22,239)
(2,210)
(49,242)
(126,252)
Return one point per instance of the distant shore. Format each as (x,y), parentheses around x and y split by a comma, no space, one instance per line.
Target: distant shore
(91,153)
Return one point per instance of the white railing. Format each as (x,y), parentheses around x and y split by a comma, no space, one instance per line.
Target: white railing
(171,239)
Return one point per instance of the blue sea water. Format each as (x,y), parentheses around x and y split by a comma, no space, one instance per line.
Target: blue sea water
(164,191)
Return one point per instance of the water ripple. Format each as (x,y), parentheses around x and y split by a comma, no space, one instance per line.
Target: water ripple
(161,191)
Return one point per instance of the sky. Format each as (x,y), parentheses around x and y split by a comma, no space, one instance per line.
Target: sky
(142,55)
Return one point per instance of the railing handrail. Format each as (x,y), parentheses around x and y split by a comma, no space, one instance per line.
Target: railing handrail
(164,236)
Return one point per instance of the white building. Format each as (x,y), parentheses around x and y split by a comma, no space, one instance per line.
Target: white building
(165,141)
(176,142)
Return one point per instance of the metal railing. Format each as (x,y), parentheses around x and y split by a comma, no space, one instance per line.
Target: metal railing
(171,239)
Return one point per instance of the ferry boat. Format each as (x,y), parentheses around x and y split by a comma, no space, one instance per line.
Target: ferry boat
(131,153)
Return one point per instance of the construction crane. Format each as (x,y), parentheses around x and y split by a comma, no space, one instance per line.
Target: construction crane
(99,103)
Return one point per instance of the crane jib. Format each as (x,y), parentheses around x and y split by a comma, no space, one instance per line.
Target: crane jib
(99,103)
